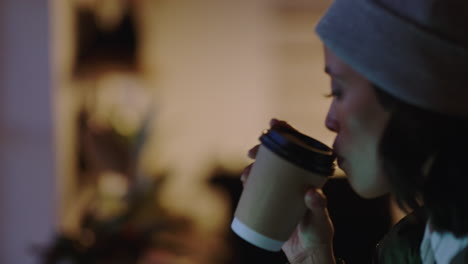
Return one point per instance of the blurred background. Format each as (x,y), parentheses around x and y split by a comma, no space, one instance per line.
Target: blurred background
(125,126)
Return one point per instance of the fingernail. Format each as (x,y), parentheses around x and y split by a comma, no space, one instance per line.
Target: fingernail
(250,153)
(320,199)
(273,121)
(314,198)
(310,196)
(242,178)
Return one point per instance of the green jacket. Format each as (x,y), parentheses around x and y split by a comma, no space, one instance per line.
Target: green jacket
(401,244)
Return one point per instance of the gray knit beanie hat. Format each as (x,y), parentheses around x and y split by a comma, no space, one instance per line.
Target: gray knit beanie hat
(416,50)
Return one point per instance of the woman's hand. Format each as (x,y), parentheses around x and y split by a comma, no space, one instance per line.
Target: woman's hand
(312,241)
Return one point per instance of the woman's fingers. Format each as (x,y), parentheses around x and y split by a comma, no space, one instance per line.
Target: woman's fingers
(273,123)
(313,238)
(316,202)
(276,123)
(245,174)
(315,199)
(317,223)
(253,152)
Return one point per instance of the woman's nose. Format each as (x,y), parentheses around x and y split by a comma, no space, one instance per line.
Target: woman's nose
(331,122)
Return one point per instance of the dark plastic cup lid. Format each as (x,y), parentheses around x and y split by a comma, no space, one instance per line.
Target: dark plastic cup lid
(301,150)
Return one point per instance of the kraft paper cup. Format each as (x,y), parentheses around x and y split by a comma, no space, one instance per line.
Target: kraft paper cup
(272,202)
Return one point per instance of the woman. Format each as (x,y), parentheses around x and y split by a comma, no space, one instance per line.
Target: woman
(400,111)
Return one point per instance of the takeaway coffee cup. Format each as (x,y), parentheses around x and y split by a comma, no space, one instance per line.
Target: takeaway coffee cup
(272,202)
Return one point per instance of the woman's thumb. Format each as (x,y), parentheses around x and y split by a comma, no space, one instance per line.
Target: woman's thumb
(316,227)
(315,199)
(317,213)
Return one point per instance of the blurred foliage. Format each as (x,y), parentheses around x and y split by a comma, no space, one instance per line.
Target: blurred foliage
(123,239)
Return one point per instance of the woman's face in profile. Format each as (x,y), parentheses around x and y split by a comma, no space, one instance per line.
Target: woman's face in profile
(358,120)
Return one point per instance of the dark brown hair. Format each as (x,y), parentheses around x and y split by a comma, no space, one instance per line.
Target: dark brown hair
(415,138)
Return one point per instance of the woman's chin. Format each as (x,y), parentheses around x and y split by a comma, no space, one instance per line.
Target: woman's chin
(364,190)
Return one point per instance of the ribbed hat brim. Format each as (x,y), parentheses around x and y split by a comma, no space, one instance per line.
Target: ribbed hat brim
(405,60)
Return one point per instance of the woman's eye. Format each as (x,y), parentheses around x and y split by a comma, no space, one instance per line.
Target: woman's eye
(336,90)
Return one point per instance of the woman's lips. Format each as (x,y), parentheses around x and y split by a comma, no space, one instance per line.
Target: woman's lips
(340,161)
(339,158)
